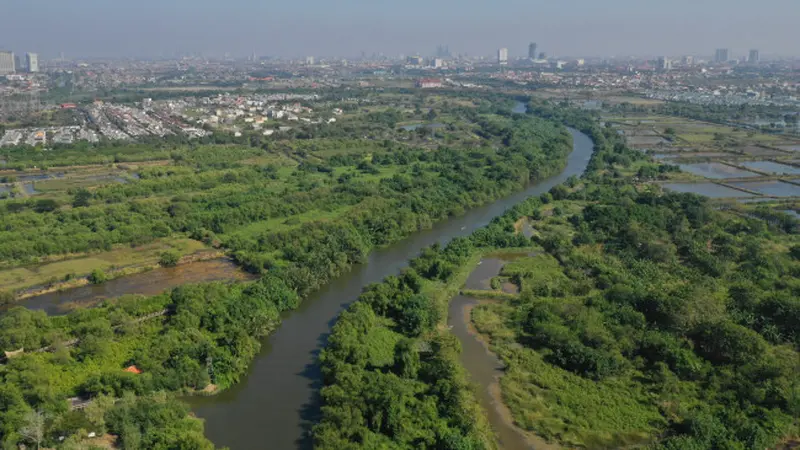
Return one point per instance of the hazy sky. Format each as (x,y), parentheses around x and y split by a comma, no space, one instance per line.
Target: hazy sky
(348,27)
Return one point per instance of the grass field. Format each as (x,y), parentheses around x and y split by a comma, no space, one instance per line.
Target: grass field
(124,256)
(283,223)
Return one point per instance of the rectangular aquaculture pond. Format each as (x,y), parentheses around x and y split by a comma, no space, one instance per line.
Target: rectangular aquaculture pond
(708,189)
(771,188)
(772,167)
(716,170)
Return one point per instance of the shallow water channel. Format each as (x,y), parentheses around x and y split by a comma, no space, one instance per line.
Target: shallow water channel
(483,366)
(152,282)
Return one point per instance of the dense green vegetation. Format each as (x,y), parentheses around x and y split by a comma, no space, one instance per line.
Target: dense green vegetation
(208,337)
(296,213)
(647,319)
(652,315)
(393,380)
(210,192)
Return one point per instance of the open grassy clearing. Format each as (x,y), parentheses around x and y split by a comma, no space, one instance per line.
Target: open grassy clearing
(557,404)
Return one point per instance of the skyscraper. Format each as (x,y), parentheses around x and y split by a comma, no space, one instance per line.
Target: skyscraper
(502,56)
(721,55)
(754,57)
(7,62)
(532,50)
(542,55)
(664,63)
(32,62)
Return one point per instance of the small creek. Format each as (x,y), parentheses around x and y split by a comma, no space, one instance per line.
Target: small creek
(483,366)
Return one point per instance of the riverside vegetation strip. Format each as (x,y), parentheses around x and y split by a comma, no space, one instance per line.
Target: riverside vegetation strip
(650,320)
(217,194)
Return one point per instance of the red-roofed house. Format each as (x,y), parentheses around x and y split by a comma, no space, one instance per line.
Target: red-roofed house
(133,369)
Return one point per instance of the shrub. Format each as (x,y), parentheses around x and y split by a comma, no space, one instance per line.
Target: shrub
(169,259)
(98,277)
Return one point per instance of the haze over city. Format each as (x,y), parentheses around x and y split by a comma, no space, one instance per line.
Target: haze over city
(153,28)
(433,225)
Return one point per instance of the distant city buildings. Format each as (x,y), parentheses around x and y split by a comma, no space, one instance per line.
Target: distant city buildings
(32,61)
(754,57)
(542,55)
(7,62)
(688,61)
(502,56)
(437,63)
(664,63)
(310,60)
(721,55)
(532,50)
(429,83)
(415,60)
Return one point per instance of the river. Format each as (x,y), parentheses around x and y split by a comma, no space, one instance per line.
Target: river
(275,405)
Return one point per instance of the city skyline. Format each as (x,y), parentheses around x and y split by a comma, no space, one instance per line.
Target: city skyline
(155,29)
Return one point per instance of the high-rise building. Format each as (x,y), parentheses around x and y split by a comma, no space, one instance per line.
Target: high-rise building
(688,61)
(754,57)
(310,60)
(502,56)
(542,55)
(532,50)
(32,60)
(7,63)
(721,55)
(415,60)
(664,63)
